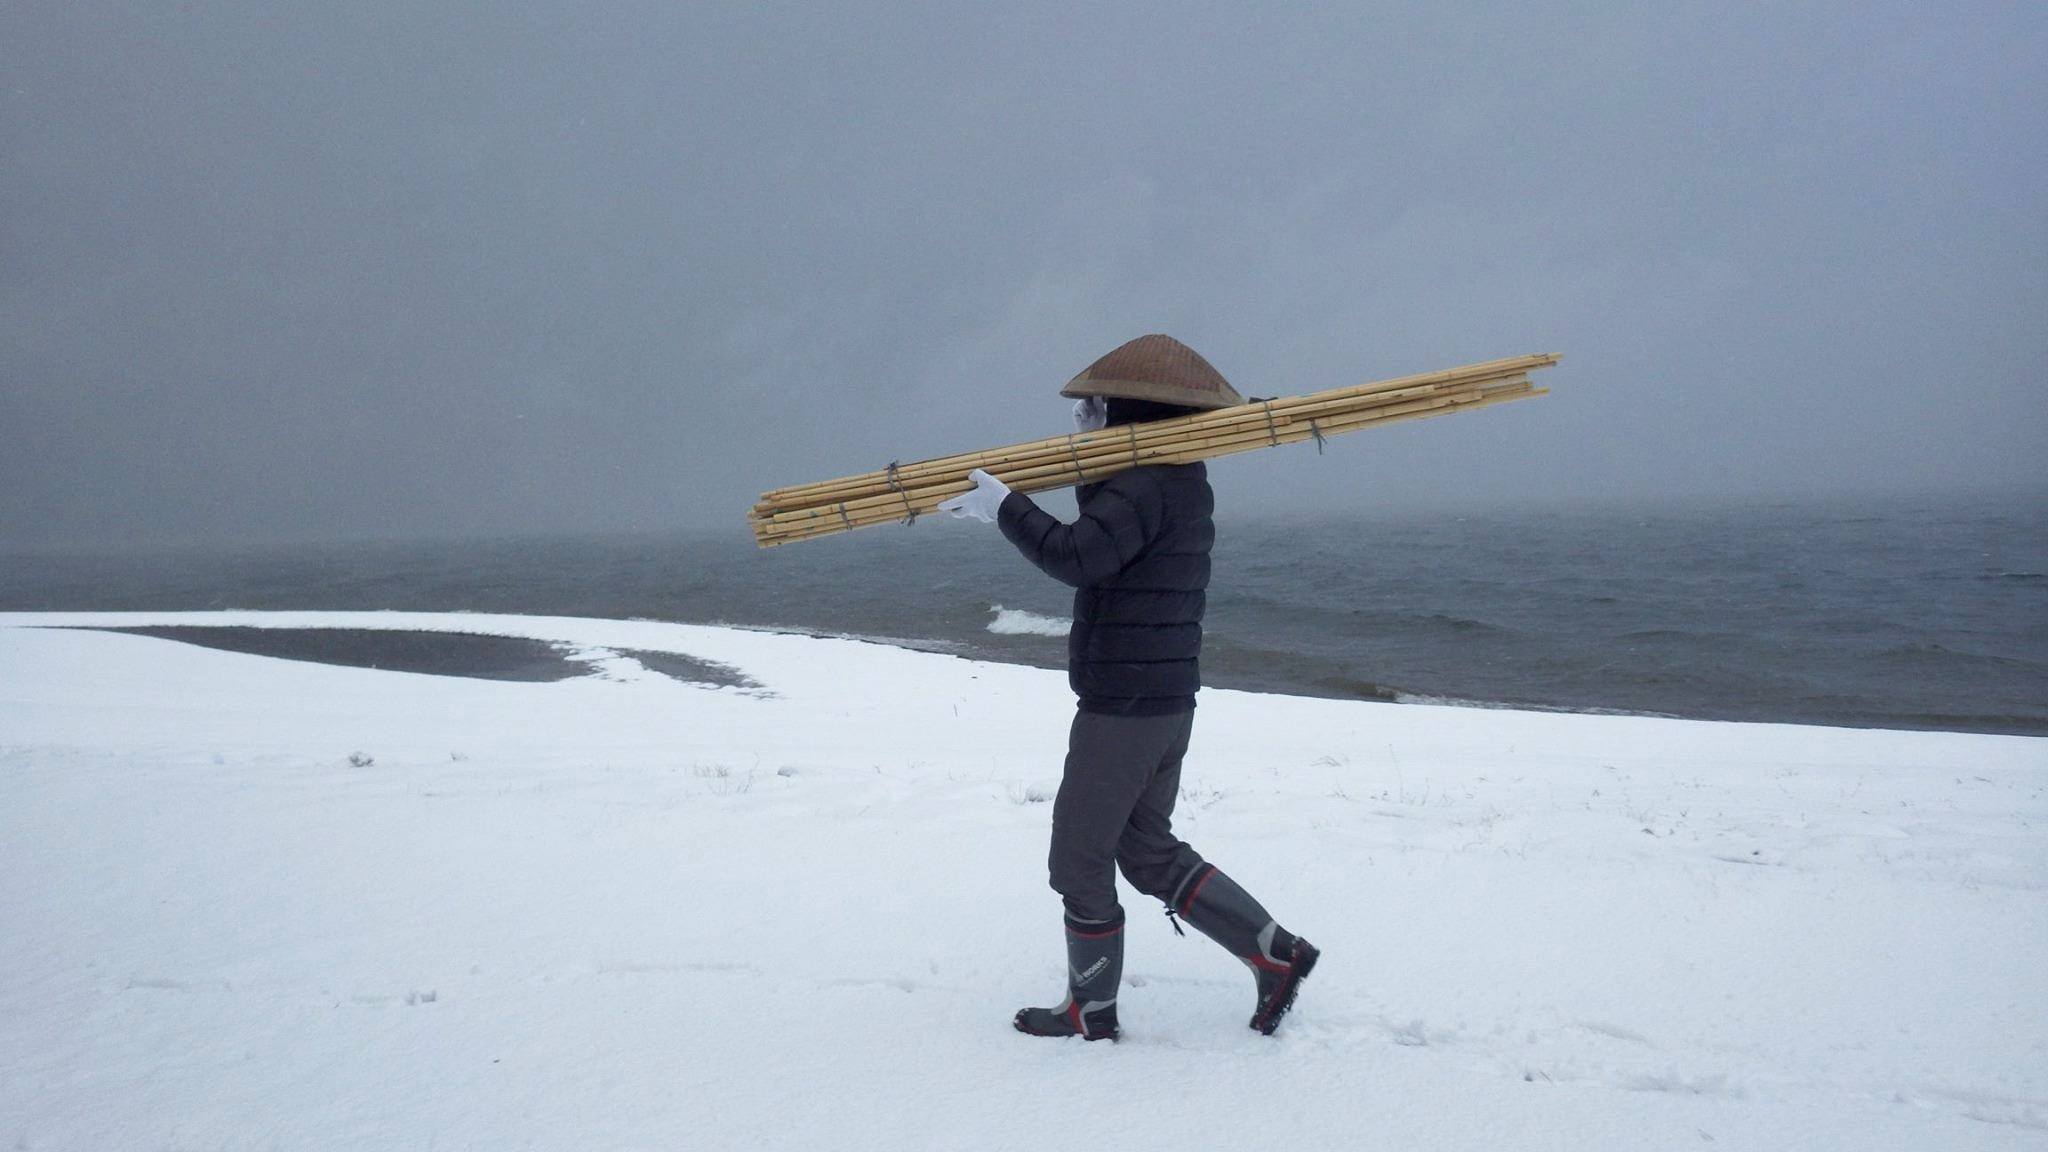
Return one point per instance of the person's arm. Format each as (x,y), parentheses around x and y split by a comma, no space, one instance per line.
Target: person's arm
(1114,527)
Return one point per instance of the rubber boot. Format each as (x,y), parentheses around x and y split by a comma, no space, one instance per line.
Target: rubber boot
(1095,967)
(1227,914)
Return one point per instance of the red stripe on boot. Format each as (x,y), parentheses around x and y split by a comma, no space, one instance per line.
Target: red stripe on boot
(1094,935)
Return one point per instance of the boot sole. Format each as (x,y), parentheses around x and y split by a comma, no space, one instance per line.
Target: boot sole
(1267,1022)
(1017,1022)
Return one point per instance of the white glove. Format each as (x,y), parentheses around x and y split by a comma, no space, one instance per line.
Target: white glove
(982,502)
(1091,414)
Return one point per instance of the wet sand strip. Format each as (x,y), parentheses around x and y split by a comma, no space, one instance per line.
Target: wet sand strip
(677,666)
(434,653)
(470,654)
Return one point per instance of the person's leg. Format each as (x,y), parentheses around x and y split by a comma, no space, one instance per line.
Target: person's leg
(1160,864)
(1109,761)
(1095,966)
(1224,912)
(1151,857)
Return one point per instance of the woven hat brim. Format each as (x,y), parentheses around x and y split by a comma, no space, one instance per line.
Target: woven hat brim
(1081,386)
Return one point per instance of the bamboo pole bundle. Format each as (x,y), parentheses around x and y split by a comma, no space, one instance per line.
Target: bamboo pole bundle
(901,493)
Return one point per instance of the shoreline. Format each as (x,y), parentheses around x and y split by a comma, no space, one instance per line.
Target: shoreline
(517,648)
(1895,617)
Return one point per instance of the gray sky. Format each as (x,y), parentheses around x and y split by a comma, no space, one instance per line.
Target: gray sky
(380,269)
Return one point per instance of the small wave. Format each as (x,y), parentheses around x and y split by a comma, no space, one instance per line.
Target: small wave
(1503,706)
(1350,686)
(1018,622)
(1460,624)
(914,644)
(1423,623)
(1332,607)
(1647,635)
(2001,722)
(1446,701)
(1938,656)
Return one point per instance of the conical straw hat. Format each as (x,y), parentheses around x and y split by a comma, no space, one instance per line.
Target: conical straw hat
(1157,368)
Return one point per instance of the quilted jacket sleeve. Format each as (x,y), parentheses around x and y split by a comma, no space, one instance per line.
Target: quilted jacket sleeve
(1119,517)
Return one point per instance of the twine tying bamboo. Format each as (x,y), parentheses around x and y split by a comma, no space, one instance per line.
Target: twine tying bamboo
(909,510)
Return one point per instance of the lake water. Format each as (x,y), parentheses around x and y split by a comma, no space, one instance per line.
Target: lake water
(1905,613)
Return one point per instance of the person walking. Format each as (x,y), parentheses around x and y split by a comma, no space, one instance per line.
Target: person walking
(1137,556)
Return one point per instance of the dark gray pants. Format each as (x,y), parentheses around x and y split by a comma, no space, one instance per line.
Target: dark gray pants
(1115,810)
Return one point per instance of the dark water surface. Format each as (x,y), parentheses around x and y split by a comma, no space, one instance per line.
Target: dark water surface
(1914,614)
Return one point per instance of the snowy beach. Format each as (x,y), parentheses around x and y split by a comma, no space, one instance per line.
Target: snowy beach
(257,903)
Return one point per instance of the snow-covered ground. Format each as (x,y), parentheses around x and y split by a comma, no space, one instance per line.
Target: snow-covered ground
(247,903)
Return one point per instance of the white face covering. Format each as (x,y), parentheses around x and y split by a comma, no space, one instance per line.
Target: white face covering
(1091,414)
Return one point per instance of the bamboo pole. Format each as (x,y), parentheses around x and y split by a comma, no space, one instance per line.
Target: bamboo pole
(1102,464)
(1102,461)
(1128,440)
(922,501)
(831,526)
(1086,456)
(1492,368)
(905,491)
(834,518)
(823,491)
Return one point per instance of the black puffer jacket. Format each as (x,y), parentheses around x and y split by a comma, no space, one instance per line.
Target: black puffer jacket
(1138,558)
